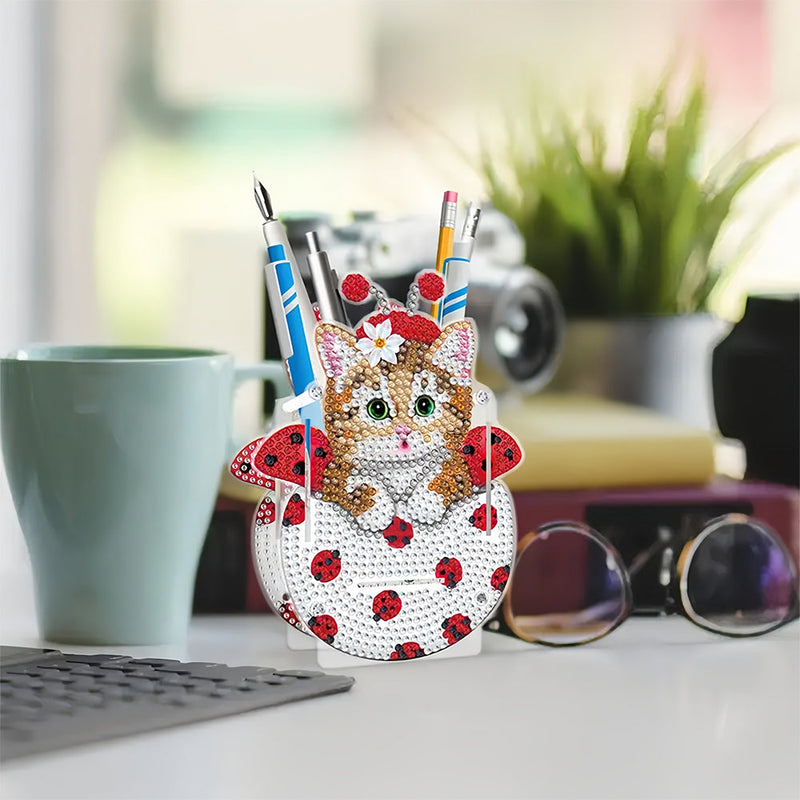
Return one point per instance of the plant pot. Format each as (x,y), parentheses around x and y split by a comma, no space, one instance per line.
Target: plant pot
(659,362)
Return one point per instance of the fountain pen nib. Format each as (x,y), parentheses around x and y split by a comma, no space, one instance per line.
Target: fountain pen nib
(262,198)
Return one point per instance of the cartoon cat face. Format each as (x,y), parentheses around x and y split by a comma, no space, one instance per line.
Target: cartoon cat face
(392,402)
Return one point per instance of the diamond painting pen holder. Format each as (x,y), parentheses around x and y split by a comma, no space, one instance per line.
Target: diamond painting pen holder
(484,412)
(384,534)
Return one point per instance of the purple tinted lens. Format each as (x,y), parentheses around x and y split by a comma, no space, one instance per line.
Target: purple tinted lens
(740,579)
(567,588)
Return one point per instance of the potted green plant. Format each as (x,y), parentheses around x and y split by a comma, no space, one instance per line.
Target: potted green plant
(629,246)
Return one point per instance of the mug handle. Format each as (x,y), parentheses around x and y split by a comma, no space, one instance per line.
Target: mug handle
(265,370)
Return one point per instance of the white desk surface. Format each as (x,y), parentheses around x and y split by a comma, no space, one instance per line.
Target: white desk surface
(658,709)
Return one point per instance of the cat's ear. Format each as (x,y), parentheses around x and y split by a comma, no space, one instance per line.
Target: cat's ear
(454,349)
(337,349)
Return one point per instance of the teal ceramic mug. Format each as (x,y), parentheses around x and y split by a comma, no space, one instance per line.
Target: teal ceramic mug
(113,457)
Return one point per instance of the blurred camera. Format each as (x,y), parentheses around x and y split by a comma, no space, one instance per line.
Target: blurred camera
(517,310)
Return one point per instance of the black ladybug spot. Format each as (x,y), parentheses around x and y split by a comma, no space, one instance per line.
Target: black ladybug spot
(245,467)
(270,460)
(483,465)
(392,538)
(495,438)
(405,539)
(403,526)
(467,449)
(299,468)
(328,562)
(320,453)
(296,438)
(509,454)
(296,498)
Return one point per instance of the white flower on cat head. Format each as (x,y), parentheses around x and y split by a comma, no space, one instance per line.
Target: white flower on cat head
(380,343)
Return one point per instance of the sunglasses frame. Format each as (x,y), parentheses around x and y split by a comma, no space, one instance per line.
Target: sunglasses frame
(502,620)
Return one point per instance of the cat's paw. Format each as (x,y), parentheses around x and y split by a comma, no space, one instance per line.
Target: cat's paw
(424,506)
(379,515)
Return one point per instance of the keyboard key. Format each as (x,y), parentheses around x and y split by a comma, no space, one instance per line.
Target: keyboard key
(112,695)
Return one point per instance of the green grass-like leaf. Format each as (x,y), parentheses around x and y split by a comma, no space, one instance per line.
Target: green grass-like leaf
(629,240)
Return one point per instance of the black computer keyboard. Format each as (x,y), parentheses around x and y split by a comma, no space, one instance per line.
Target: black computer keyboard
(51,700)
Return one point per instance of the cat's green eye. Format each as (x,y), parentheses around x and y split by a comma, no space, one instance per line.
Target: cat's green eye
(424,405)
(378,409)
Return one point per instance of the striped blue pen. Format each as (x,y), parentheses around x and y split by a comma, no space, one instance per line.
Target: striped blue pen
(299,361)
(456,271)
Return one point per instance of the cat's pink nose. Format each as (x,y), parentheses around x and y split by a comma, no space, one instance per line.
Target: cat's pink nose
(402,430)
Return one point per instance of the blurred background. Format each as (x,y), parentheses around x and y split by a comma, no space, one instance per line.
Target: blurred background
(130,131)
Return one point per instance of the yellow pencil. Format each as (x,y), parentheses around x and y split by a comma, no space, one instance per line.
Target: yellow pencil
(444,250)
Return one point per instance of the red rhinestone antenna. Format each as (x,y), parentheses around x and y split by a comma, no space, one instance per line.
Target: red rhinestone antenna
(428,284)
(357,288)
(431,285)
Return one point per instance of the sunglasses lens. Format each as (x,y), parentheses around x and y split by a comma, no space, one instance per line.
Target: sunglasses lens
(567,588)
(740,578)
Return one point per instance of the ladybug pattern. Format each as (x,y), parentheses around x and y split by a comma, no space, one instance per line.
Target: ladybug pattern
(406,650)
(506,453)
(326,565)
(386,605)
(399,533)
(393,593)
(286,611)
(295,511)
(324,626)
(500,578)
(449,572)
(478,518)
(456,628)
(282,455)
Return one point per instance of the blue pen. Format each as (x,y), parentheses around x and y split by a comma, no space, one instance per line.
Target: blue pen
(454,303)
(456,271)
(286,311)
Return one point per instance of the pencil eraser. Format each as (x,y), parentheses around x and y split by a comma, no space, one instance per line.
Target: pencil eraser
(451,197)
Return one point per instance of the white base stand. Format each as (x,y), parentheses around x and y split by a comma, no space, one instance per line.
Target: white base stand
(329,657)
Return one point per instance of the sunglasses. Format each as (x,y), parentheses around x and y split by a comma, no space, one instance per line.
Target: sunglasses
(570,586)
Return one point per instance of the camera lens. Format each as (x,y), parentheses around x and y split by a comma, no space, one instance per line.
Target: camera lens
(519,317)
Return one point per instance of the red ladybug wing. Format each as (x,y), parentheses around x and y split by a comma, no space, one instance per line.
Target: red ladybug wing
(282,455)
(506,453)
(244,468)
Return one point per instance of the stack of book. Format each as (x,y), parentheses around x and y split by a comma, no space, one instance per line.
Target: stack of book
(630,474)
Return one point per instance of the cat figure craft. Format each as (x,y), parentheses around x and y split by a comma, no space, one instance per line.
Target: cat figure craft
(400,541)
(396,412)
